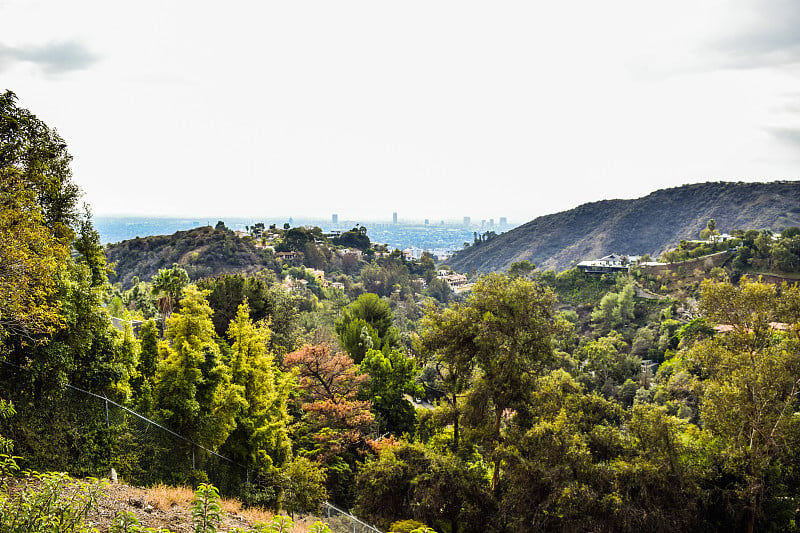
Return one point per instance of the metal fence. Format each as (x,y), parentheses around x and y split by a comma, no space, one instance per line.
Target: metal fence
(343,522)
(94,434)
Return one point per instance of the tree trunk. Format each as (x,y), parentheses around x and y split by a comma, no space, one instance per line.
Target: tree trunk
(455,424)
(751,518)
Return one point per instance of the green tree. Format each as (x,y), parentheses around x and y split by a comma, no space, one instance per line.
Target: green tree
(148,364)
(267,301)
(750,385)
(168,285)
(408,480)
(392,376)
(193,390)
(607,364)
(374,278)
(425,267)
(443,334)
(792,231)
(38,219)
(551,483)
(377,315)
(710,232)
(355,238)
(296,239)
(306,486)
(86,350)
(763,243)
(358,337)
(314,256)
(439,289)
(521,269)
(786,254)
(29,263)
(128,354)
(504,329)
(616,309)
(29,146)
(148,360)
(261,435)
(139,298)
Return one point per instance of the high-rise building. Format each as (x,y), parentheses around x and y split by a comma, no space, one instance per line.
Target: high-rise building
(503,222)
(334,218)
(427,221)
(491,222)
(394,217)
(467,222)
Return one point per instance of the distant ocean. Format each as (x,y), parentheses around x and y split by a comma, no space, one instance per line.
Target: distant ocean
(115,229)
(441,238)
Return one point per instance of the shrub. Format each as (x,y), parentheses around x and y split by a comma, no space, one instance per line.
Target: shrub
(405,526)
(47,502)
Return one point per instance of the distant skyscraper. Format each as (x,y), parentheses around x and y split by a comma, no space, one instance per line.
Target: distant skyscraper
(491,222)
(467,222)
(394,217)
(334,218)
(426,221)
(503,222)
(483,223)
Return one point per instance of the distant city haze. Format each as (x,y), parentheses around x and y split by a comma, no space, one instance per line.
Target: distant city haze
(442,236)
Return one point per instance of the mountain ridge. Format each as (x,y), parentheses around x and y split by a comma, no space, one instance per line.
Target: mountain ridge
(646,225)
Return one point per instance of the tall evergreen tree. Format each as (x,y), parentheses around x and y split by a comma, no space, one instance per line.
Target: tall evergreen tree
(368,310)
(261,436)
(193,391)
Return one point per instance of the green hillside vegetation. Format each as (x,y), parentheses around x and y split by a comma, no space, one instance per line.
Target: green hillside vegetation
(202,252)
(648,225)
(536,401)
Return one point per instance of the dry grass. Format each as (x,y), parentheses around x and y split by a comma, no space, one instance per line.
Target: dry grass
(165,498)
(254,514)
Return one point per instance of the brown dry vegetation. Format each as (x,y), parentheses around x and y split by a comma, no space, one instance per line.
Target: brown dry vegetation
(163,506)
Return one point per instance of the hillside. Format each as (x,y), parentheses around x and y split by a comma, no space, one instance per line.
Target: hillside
(203,252)
(646,225)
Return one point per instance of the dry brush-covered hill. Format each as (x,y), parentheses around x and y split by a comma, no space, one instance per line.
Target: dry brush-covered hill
(648,225)
(203,252)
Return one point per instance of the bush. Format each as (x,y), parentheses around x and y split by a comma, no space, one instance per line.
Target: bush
(405,526)
(47,502)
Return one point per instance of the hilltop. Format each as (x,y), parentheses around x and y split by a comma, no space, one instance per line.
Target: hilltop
(647,225)
(202,252)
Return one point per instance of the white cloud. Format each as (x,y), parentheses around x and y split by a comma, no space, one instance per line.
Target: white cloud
(52,58)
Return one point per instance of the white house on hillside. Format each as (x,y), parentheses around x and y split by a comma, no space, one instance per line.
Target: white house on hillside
(605,265)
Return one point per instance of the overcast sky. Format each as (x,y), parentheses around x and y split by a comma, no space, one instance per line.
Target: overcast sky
(433,109)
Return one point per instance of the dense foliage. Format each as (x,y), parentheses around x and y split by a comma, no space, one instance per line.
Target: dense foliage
(533,401)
